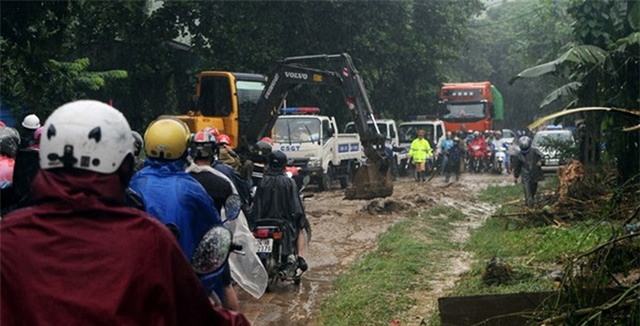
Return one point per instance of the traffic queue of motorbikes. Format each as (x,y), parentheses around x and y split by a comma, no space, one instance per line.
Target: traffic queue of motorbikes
(253,247)
(485,152)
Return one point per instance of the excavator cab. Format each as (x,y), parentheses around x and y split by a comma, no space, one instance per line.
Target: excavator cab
(225,101)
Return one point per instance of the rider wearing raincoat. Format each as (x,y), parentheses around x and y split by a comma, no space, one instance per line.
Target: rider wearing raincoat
(172,195)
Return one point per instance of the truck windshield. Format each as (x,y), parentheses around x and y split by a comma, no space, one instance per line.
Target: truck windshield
(296,130)
(465,112)
(408,132)
(248,95)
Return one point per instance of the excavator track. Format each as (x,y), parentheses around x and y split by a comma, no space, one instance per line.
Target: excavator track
(371,181)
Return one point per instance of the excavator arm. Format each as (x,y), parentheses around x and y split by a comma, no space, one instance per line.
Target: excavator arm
(371,180)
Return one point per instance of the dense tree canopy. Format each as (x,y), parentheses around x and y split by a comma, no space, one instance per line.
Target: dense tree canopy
(127,51)
(398,47)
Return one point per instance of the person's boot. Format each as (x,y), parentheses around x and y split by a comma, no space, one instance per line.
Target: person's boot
(424,176)
(417,176)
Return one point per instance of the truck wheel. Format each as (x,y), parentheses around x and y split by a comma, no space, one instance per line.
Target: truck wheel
(326,181)
(344,182)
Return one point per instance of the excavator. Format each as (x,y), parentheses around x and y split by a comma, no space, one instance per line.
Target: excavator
(246,106)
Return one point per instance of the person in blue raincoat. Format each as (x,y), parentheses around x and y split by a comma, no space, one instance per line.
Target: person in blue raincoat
(172,195)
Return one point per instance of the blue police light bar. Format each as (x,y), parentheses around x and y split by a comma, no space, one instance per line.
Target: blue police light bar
(554,127)
(300,110)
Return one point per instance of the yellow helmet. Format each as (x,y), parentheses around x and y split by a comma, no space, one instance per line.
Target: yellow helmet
(166,138)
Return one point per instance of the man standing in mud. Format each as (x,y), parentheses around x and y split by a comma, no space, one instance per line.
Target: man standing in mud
(526,164)
(419,151)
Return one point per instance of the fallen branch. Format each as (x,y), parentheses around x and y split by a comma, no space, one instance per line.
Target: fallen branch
(608,243)
(598,310)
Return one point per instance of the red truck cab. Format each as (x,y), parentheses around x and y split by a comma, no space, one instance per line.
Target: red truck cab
(470,106)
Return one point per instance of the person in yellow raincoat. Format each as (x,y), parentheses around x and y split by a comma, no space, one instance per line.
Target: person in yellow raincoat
(419,151)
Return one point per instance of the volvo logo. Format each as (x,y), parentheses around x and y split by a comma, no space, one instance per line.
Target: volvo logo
(296,75)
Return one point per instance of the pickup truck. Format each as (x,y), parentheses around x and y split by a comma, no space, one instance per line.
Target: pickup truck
(388,128)
(313,144)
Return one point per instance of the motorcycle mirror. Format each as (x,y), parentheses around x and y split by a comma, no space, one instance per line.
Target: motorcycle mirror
(306,180)
(212,251)
(232,207)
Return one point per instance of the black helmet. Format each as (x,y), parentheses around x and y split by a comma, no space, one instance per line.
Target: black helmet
(9,141)
(525,144)
(137,143)
(277,160)
(261,151)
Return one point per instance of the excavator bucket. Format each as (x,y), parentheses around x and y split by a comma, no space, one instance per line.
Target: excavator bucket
(371,181)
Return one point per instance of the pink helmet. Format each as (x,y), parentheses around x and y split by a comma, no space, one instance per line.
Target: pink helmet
(267,140)
(224,139)
(37,135)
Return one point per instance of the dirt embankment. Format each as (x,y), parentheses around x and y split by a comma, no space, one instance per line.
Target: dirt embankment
(345,229)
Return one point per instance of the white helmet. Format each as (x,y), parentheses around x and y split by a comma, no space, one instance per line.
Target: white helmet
(31,122)
(86,135)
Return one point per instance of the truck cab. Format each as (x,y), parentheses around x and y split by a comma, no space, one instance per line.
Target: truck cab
(434,130)
(312,143)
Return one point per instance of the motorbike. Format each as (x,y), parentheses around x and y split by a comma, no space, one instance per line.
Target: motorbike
(270,235)
(500,159)
(476,155)
(487,161)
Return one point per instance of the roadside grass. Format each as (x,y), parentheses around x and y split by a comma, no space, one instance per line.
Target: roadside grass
(378,286)
(532,252)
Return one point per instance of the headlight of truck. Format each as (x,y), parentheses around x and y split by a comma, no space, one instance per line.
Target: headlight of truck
(315,163)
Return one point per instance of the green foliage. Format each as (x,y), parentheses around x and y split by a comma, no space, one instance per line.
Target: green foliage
(603,64)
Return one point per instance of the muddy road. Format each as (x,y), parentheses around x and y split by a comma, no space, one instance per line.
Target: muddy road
(342,230)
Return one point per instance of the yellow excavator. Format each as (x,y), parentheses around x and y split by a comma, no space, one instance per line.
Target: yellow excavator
(246,106)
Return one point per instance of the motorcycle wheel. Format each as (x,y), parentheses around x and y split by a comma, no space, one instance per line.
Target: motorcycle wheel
(271,286)
(271,267)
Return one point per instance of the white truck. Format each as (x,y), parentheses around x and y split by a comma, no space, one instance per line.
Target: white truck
(388,128)
(313,144)
(434,129)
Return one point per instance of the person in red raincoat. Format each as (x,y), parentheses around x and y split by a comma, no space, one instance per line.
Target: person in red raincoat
(79,256)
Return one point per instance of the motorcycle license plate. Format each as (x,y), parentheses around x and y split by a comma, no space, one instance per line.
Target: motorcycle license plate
(264,245)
